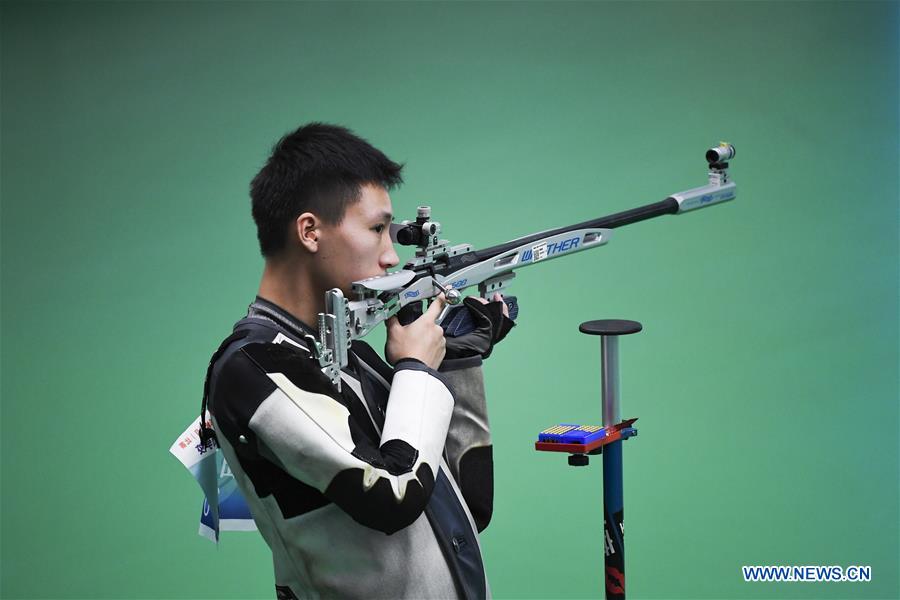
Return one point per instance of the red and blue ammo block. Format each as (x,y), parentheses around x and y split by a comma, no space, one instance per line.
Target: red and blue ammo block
(582,439)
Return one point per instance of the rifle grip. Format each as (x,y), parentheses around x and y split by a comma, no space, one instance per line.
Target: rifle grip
(409,313)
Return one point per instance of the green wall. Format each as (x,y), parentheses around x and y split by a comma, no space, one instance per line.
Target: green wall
(766,377)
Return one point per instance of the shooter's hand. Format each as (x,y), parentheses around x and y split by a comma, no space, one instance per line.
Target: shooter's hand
(423,339)
(492,324)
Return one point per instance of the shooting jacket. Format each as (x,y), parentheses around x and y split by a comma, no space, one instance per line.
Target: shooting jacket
(376,491)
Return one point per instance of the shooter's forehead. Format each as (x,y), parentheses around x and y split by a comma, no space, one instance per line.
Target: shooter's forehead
(374,204)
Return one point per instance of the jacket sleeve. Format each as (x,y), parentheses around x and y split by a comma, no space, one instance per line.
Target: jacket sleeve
(302,424)
(469,449)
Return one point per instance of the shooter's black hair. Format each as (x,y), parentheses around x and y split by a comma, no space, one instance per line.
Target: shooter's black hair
(318,168)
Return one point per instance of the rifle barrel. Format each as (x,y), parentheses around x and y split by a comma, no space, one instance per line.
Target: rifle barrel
(669,206)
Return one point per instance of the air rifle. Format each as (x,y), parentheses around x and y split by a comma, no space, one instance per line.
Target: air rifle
(439,267)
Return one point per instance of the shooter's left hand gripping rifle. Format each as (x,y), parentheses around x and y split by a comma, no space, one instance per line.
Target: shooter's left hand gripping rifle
(439,267)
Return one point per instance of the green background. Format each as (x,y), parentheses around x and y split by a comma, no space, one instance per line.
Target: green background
(766,377)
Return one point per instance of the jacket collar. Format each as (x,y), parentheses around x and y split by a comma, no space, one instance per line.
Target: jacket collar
(269,310)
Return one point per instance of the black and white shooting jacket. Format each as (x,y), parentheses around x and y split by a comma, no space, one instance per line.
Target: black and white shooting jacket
(376,491)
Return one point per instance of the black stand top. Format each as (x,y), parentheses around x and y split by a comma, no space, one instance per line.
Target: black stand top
(610,327)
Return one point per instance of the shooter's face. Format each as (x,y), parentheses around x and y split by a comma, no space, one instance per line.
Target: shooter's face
(360,245)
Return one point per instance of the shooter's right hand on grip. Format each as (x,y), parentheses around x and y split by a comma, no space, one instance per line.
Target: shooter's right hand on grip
(422,340)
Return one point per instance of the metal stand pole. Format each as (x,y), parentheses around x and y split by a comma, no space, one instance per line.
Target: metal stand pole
(613,504)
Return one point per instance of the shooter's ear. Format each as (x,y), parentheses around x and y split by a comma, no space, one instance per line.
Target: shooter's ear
(308,228)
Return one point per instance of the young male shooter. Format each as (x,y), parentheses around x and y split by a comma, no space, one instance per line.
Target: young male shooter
(377,491)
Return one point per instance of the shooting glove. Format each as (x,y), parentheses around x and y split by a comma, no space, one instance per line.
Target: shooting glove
(491,326)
